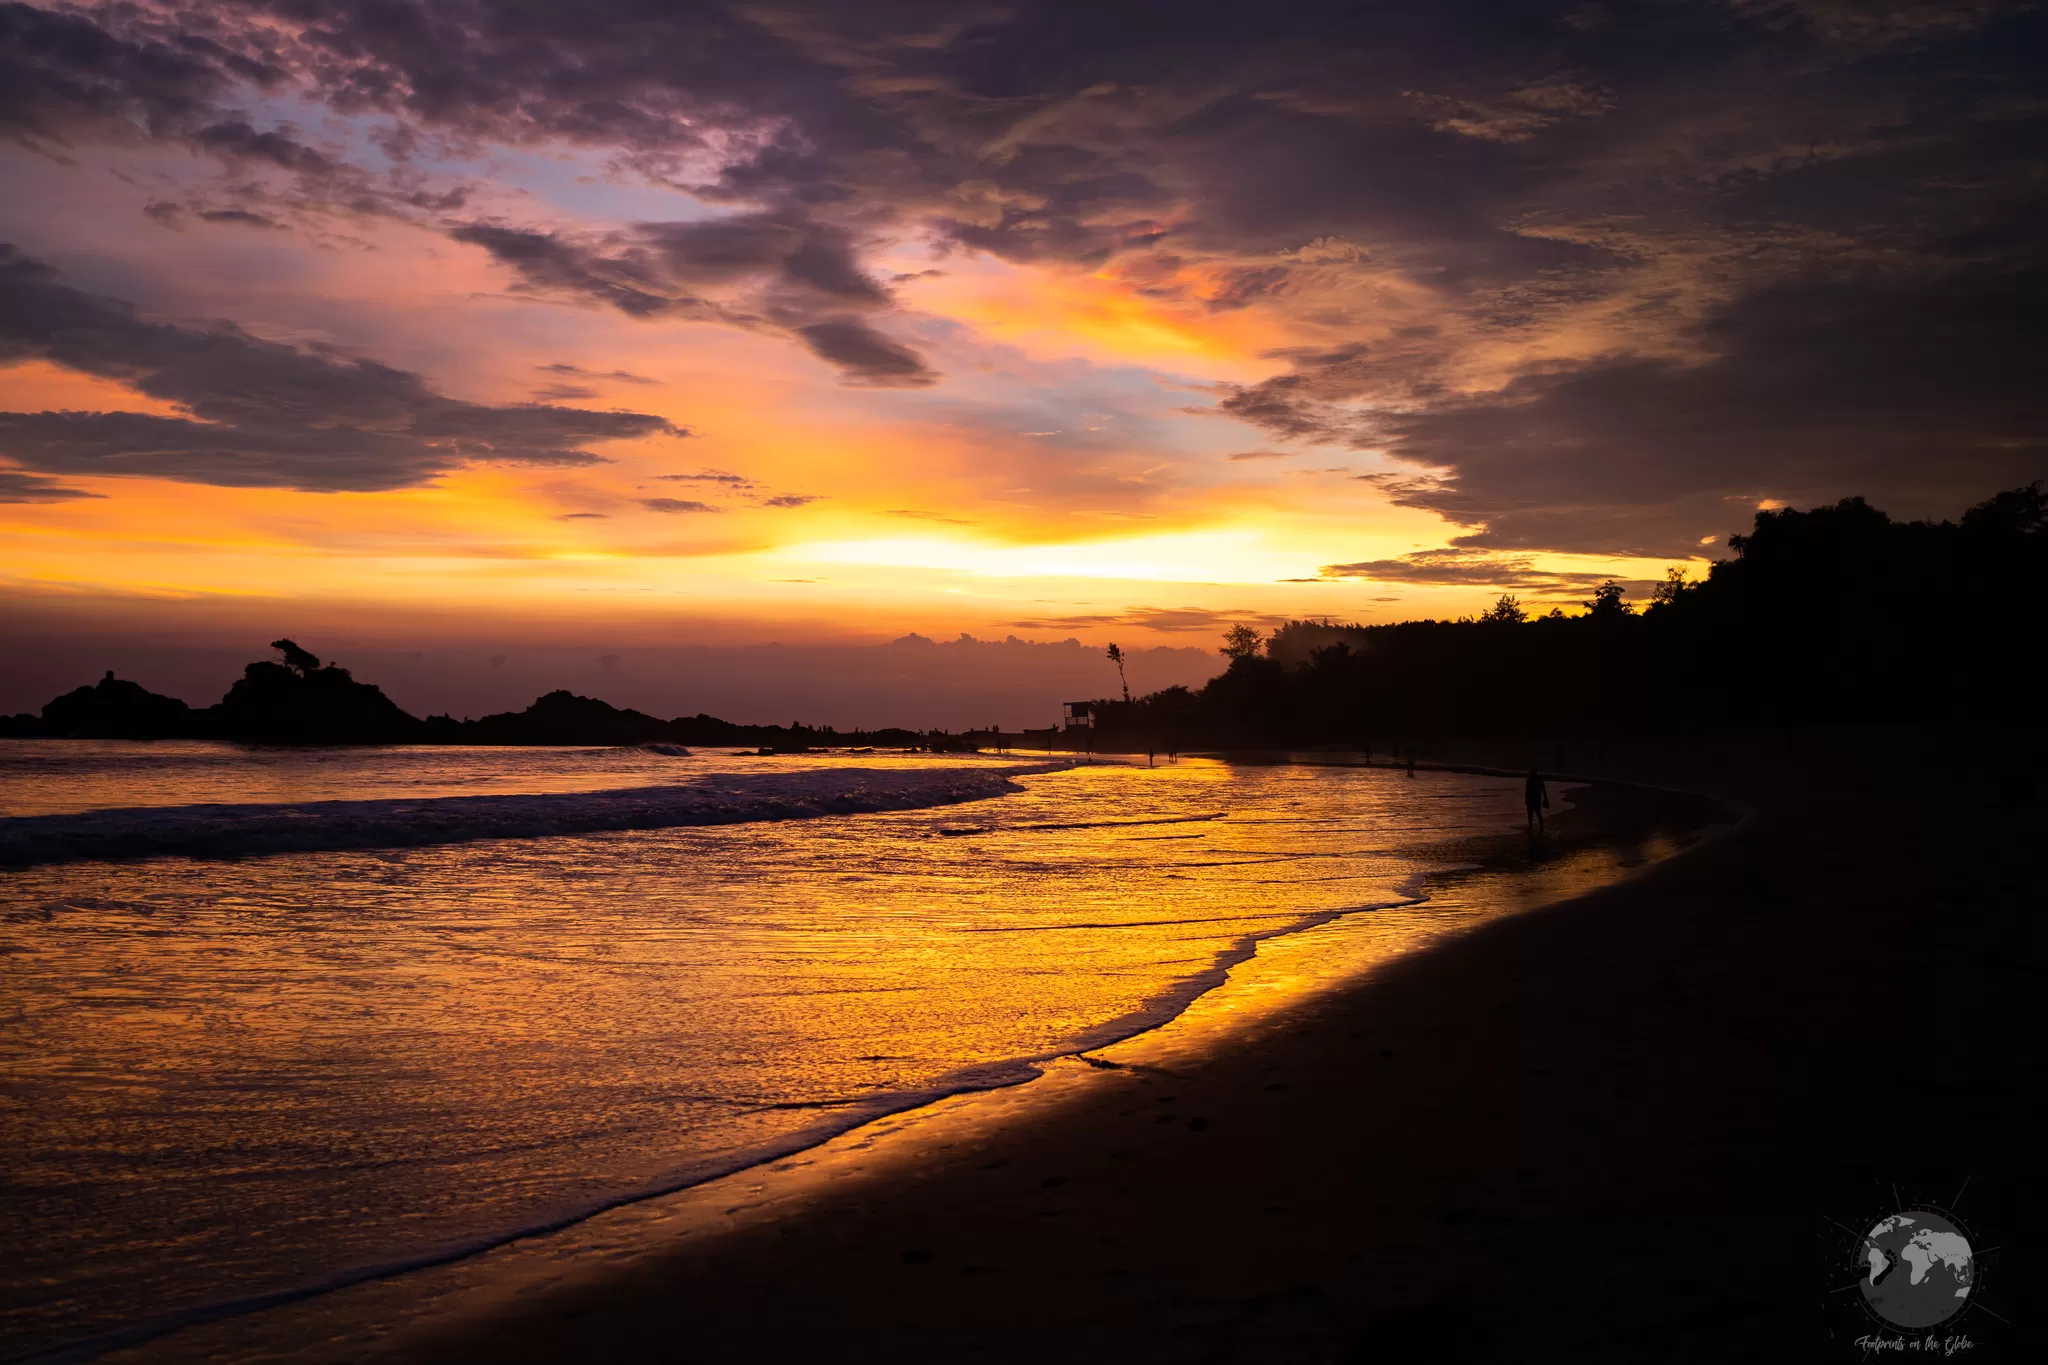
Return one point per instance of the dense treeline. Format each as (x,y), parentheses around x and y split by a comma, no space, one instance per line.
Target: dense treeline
(1834,616)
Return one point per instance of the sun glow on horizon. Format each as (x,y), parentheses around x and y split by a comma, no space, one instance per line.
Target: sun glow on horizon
(1229,555)
(1066,470)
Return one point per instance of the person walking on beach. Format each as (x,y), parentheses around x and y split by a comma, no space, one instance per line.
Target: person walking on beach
(1536,798)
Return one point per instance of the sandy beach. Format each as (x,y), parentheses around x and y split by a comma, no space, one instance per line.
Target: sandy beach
(1636,1125)
(723,683)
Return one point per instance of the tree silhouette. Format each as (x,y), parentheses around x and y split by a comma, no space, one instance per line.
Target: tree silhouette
(2015,512)
(296,658)
(1672,589)
(1607,602)
(1240,642)
(1506,612)
(1116,656)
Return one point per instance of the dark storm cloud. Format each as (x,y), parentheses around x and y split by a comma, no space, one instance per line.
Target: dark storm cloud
(63,76)
(778,270)
(789,247)
(127,73)
(1462,568)
(1817,387)
(569,371)
(263,414)
(1189,619)
(725,477)
(864,355)
(241,216)
(16,486)
(1919,384)
(237,138)
(546,262)
(1632,192)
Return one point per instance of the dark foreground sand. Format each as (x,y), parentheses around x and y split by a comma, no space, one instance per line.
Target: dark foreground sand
(1632,1127)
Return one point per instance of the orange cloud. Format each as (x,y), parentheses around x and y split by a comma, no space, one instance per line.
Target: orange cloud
(1108,315)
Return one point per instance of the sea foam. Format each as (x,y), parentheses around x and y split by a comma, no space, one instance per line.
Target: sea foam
(239,831)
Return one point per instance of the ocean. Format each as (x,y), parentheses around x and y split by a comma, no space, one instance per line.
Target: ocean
(409,1002)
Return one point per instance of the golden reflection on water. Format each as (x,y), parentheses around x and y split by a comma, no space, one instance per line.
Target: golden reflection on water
(228,1078)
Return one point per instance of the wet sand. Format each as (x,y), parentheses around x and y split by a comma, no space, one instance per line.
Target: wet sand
(1631,1126)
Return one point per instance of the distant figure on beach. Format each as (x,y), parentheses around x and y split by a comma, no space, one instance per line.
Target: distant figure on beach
(1536,797)
(1411,765)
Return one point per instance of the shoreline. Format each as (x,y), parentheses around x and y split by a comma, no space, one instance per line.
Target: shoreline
(1011,1073)
(1054,1080)
(1631,1126)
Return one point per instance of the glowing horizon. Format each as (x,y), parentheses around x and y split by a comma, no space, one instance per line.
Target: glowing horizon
(785,472)
(862,348)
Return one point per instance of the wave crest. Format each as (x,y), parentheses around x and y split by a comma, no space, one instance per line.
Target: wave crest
(240,831)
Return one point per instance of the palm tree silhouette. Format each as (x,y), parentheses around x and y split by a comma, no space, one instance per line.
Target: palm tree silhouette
(1116,656)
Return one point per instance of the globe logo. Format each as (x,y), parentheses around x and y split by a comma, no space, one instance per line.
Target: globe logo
(1915,1270)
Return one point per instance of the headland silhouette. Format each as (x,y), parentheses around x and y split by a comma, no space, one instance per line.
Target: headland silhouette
(1834,616)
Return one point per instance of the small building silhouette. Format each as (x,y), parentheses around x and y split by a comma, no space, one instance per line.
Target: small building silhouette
(1078,715)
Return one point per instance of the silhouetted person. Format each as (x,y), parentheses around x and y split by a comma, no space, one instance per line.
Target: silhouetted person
(1411,765)
(1536,798)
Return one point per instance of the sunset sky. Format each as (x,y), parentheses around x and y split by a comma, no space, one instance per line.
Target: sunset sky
(410,326)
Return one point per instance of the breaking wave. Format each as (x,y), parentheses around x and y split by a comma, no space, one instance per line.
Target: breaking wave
(240,831)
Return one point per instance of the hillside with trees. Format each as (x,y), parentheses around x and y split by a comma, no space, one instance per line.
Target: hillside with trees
(1838,616)
(297,699)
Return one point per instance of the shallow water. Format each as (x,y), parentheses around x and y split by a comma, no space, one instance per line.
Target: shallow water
(224,1079)
(53,777)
